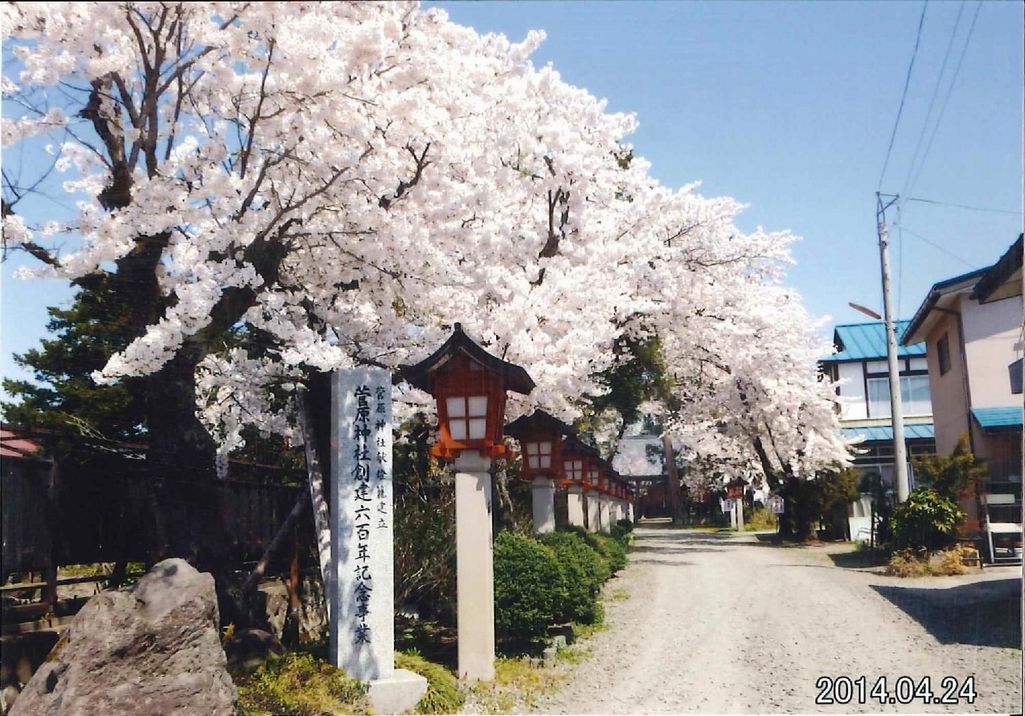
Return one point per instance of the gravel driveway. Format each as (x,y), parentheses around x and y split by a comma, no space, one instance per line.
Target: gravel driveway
(724,623)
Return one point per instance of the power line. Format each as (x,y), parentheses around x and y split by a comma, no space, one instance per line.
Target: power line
(932,99)
(946,99)
(963,206)
(940,248)
(904,94)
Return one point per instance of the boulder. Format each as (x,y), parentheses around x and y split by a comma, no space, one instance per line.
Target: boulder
(151,649)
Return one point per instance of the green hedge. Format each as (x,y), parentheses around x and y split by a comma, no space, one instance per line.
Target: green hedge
(443,695)
(583,573)
(528,586)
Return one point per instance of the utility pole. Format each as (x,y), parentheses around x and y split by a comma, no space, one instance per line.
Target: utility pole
(896,413)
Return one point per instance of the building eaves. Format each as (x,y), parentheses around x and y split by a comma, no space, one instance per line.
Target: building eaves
(939,289)
(999,273)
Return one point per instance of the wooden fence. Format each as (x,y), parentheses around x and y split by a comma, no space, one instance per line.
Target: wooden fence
(97,511)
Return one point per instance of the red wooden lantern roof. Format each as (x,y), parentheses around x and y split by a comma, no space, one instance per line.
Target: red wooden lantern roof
(470,387)
(421,375)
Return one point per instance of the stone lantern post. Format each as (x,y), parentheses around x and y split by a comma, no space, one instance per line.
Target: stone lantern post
(469,385)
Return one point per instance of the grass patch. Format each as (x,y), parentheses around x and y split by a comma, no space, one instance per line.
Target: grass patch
(583,631)
(518,685)
(443,695)
(572,655)
(908,563)
(619,595)
(299,684)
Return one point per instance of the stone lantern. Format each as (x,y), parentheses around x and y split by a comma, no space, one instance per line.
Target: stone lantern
(581,499)
(469,385)
(541,437)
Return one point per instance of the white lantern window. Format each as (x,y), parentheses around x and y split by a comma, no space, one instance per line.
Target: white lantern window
(467,417)
(539,455)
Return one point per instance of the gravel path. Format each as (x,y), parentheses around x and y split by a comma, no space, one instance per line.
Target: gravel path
(723,623)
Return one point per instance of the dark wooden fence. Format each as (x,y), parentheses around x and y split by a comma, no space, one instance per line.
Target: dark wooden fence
(97,510)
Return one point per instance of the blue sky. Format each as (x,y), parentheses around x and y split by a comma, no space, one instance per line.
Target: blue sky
(789,108)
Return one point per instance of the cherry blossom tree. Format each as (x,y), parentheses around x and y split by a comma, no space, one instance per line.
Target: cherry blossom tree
(335,184)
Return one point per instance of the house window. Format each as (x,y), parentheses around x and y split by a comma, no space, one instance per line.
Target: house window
(914,396)
(943,354)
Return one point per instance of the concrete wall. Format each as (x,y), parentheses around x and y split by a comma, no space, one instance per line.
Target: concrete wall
(991,330)
(949,402)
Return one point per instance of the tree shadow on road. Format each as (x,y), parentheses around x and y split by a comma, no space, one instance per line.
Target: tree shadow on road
(982,613)
(657,560)
(675,549)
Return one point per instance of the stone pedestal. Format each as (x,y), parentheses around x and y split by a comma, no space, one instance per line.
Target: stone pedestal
(475,571)
(575,505)
(396,694)
(543,494)
(593,513)
(603,512)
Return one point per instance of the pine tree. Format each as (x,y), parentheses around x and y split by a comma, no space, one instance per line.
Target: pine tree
(63,395)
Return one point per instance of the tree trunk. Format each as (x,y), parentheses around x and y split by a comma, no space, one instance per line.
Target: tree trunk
(673,479)
(185,495)
(318,494)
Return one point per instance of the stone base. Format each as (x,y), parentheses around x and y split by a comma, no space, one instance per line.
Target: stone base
(397,694)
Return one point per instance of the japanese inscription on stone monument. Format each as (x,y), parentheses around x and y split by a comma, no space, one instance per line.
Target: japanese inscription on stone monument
(362,640)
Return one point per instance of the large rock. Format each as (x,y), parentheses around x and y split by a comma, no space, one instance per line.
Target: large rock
(152,649)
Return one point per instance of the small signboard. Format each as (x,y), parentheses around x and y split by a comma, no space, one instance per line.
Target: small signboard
(776,505)
(727,505)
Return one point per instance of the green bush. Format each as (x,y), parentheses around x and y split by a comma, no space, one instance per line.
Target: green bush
(621,532)
(528,588)
(443,695)
(761,520)
(625,525)
(299,685)
(583,573)
(926,520)
(608,548)
(613,550)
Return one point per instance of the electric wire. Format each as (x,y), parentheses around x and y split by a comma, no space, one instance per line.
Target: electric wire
(940,248)
(932,99)
(963,206)
(904,94)
(946,99)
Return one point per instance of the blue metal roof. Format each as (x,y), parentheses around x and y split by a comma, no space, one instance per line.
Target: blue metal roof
(867,341)
(997,418)
(880,433)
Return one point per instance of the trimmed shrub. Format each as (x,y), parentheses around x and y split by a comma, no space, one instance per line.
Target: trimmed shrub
(761,520)
(926,520)
(621,533)
(443,695)
(583,573)
(610,548)
(625,525)
(300,685)
(528,587)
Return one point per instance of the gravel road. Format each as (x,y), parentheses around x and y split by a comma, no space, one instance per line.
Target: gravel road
(723,623)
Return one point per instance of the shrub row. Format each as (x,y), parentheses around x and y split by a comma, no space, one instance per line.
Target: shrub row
(552,578)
